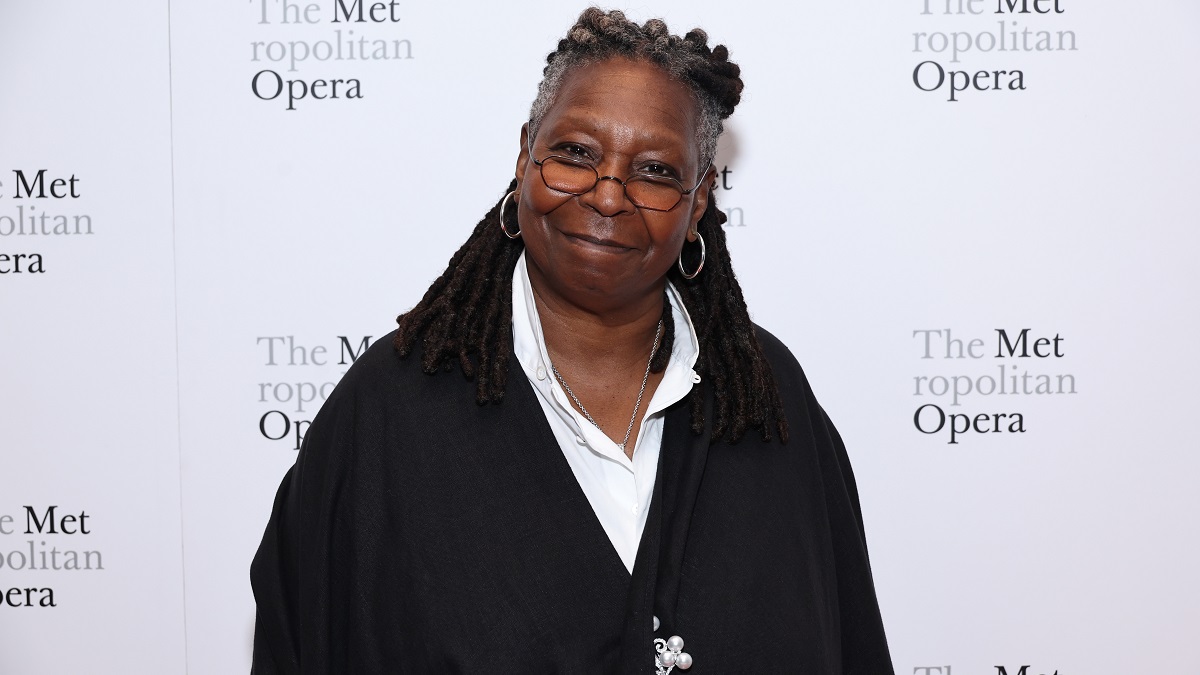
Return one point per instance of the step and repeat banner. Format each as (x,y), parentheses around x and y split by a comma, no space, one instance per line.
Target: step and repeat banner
(973,221)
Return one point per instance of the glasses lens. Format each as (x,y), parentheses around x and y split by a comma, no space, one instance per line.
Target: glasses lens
(567,176)
(658,194)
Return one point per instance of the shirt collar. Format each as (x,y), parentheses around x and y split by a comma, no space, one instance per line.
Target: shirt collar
(529,344)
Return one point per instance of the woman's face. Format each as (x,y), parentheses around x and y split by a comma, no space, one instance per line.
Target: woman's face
(598,250)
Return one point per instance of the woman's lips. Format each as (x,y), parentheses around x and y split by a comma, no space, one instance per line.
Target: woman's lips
(599,242)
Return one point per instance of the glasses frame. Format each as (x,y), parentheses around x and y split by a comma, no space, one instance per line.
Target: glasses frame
(624,183)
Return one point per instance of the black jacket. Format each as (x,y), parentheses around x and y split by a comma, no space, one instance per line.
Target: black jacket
(420,532)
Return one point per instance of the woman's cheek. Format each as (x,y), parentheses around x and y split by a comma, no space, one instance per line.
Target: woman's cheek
(539,207)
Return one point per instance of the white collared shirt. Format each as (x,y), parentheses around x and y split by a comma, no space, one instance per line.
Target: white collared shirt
(618,488)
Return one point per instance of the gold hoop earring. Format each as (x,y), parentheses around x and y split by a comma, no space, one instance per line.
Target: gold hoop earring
(703,255)
(502,227)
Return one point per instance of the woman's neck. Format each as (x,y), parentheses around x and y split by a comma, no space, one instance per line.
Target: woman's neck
(617,339)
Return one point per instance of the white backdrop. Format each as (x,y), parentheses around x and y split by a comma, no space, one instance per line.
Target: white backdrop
(233,254)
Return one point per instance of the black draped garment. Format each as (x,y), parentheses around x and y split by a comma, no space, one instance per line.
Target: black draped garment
(420,532)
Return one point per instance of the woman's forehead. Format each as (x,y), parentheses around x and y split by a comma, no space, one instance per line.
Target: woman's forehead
(625,96)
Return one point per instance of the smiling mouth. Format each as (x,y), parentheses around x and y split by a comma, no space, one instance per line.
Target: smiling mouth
(607,244)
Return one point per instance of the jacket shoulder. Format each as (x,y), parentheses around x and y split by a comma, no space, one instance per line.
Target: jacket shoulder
(788,373)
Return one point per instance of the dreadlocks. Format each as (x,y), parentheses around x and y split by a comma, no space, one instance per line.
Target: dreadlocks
(466,315)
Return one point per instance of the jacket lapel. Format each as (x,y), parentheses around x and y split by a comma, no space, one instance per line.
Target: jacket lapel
(654,590)
(638,640)
(684,456)
(527,434)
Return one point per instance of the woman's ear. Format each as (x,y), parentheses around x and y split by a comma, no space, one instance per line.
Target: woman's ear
(703,193)
(523,155)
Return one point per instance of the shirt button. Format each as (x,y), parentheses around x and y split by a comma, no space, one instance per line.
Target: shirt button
(656,623)
(579,440)
(541,372)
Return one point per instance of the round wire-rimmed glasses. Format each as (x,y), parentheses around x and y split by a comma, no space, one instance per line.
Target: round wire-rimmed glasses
(646,191)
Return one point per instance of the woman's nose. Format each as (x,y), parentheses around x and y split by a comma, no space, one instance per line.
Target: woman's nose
(608,197)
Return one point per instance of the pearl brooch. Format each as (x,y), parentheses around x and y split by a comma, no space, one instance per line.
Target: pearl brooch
(670,655)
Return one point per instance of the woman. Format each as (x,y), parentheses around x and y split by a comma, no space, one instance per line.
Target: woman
(584,494)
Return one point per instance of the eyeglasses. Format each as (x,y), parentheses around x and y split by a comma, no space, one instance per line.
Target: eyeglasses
(646,191)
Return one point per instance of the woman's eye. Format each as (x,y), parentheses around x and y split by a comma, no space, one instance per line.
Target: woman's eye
(574,150)
(656,169)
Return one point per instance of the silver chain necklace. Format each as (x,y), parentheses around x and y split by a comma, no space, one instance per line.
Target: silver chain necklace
(636,406)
